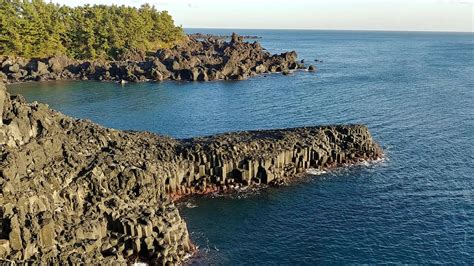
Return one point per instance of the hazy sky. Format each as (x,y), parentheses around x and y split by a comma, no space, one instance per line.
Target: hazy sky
(425,15)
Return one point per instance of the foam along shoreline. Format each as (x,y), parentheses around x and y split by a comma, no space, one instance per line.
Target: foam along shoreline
(240,189)
(72,191)
(193,60)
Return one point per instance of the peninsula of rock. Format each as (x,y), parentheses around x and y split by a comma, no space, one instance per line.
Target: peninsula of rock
(214,36)
(74,192)
(193,60)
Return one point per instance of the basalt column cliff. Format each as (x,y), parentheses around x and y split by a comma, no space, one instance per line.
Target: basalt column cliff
(73,191)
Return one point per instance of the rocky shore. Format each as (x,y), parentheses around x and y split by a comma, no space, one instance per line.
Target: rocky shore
(213,36)
(72,191)
(194,60)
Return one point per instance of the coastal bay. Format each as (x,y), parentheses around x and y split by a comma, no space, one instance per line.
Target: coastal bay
(238,133)
(410,89)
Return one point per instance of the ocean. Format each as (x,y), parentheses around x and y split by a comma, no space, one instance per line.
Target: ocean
(414,90)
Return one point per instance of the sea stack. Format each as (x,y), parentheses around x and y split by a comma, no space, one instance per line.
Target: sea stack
(74,192)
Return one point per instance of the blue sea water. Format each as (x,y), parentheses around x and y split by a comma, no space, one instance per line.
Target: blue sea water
(414,90)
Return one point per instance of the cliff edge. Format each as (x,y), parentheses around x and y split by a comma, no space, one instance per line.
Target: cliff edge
(72,191)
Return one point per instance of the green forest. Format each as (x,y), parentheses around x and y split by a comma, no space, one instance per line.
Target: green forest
(34,28)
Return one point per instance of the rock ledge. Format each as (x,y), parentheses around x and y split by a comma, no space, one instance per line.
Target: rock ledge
(72,191)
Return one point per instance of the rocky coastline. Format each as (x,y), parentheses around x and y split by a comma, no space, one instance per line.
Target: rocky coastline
(72,191)
(214,36)
(193,60)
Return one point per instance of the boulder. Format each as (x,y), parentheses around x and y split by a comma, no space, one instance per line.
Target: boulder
(312,68)
(260,68)
(7,62)
(290,56)
(58,63)
(15,68)
(39,68)
(156,75)
(235,38)
(15,235)
(19,75)
(176,66)
(158,65)
(47,235)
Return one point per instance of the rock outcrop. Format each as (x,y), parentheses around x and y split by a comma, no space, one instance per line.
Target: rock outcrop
(72,191)
(194,60)
(312,68)
(222,37)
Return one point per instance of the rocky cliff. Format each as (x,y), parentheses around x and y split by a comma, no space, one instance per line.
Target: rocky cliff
(72,191)
(194,60)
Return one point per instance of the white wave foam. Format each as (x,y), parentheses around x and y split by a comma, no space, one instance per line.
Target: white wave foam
(190,205)
(373,162)
(314,171)
(364,163)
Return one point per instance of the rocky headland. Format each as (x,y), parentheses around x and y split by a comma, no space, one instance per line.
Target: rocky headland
(72,191)
(214,36)
(193,60)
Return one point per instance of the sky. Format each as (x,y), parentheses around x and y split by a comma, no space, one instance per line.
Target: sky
(400,15)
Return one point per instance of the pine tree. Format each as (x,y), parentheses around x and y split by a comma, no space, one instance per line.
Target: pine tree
(34,28)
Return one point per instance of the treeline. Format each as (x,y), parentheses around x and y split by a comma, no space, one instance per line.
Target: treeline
(34,28)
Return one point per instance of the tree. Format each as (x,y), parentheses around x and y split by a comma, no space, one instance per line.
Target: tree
(34,28)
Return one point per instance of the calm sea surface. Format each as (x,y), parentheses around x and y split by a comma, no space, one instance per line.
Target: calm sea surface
(415,91)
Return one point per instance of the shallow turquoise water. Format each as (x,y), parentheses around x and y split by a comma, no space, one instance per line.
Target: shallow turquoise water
(415,91)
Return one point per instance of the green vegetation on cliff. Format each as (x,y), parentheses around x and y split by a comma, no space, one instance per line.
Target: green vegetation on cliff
(34,28)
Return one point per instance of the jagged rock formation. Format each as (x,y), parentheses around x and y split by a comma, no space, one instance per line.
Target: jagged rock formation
(72,191)
(214,36)
(195,60)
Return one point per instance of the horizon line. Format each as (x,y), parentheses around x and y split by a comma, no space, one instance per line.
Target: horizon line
(326,29)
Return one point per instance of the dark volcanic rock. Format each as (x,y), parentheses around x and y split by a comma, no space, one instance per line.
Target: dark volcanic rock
(74,192)
(40,68)
(235,38)
(59,63)
(15,68)
(195,60)
(212,36)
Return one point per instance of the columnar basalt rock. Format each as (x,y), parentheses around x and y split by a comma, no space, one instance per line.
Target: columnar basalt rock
(72,191)
(193,60)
